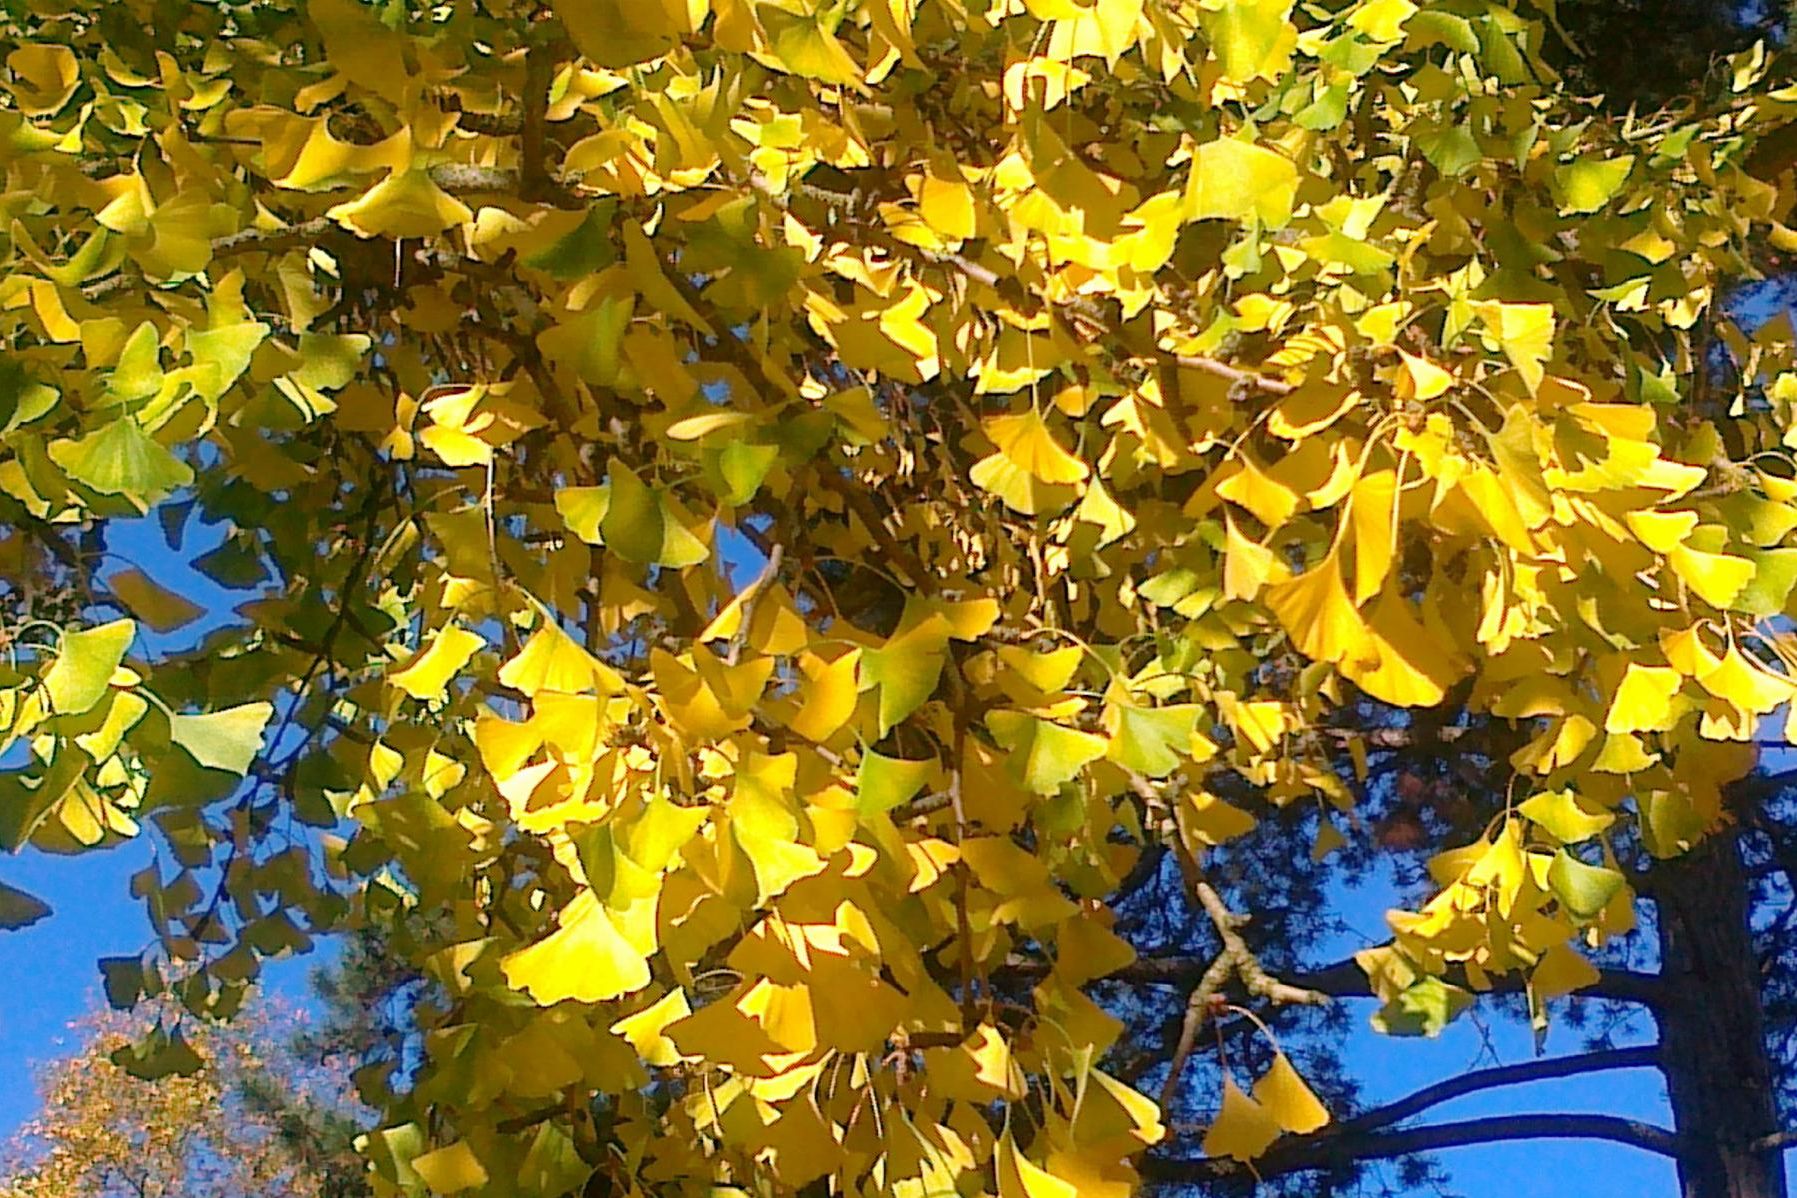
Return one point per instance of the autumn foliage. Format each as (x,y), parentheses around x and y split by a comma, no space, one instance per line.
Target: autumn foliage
(758,520)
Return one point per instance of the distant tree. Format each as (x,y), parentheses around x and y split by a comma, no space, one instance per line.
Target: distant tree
(104,1132)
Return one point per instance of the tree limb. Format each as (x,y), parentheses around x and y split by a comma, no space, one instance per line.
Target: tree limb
(1345,979)
(1335,1150)
(1640,1057)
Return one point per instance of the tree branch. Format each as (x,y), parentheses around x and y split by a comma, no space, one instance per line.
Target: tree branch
(1335,1150)
(1345,979)
(1641,1057)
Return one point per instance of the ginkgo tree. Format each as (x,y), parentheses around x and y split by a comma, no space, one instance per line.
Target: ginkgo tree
(759,520)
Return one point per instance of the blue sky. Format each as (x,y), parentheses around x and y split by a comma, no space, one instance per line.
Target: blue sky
(50,967)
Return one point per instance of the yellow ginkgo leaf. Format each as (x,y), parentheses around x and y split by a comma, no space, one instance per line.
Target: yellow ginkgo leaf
(1284,1096)
(450,1169)
(44,77)
(1745,684)
(586,959)
(1421,378)
(830,691)
(427,675)
(1019,1177)
(1271,501)
(1402,664)
(551,661)
(947,206)
(1243,1127)
(1374,516)
(1717,578)
(1025,439)
(404,204)
(645,1030)
(1661,532)
(1319,615)
(1525,332)
(1643,701)
(1246,564)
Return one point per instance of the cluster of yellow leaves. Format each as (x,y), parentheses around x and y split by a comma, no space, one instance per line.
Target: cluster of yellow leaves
(1111,401)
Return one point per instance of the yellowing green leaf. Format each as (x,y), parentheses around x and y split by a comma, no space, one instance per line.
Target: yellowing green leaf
(1717,578)
(1252,39)
(1044,754)
(85,664)
(1150,740)
(223,740)
(1525,332)
(121,459)
(1584,890)
(1588,184)
(884,783)
(645,524)
(1234,180)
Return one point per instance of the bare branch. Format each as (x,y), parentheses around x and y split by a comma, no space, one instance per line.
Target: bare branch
(1644,1056)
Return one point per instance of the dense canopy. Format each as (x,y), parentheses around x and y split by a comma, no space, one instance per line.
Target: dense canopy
(754,517)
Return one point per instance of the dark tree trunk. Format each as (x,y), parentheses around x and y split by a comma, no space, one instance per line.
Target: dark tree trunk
(1712,1027)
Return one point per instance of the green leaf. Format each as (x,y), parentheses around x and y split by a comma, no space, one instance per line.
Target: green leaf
(737,470)
(1449,148)
(1774,574)
(122,459)
(85,664)
(588,343)
(23,398)
(1433,27)
(223,740)
(1044,755)
(1150,740)
(123,979)
(159,1054)
(224,353)
(883,783)
(1588,184)
(1584,890)
(18,909)
(329,361)
(585,250)
(1424,1009)
(644,524)
(26,801)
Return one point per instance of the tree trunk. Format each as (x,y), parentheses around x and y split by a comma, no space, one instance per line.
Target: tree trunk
(1712,1027)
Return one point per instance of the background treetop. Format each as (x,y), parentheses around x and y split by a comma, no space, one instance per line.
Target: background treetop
(761,523)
